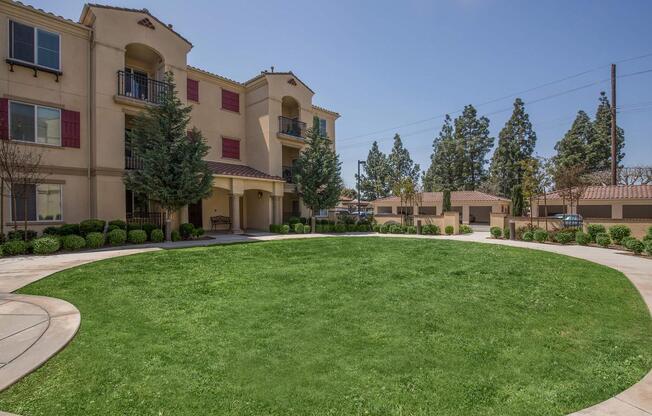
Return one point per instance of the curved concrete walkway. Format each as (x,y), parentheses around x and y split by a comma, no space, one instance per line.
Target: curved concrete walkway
(18,272)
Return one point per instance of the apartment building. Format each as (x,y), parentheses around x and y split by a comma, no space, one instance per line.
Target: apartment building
(70,90)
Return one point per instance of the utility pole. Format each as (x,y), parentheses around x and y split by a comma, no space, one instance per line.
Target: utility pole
(614,131)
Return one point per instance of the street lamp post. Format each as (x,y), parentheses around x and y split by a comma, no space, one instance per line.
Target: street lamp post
(360,162)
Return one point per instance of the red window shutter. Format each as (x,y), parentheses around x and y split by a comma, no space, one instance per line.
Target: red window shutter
(193,90)
(70,136)
(230,148)
(230,100)
(4,118)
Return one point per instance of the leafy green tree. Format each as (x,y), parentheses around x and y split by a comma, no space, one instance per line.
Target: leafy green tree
(447,200)
(174,172)
(518,205)
(599,144)
(516,143)
(374,181)
(445,162)
(401,164)
(319,181)
(474,143)
(572,149)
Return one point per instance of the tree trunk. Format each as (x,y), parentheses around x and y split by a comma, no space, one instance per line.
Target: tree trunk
(25,217)
(168,226)
(313,222)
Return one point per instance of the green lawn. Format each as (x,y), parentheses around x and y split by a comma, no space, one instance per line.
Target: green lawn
(341,326)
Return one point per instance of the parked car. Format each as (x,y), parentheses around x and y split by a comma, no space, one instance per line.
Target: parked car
(572,221)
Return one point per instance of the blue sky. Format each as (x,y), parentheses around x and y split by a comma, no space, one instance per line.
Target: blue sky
(383,64)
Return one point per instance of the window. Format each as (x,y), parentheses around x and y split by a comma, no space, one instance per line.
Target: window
(37,202)
(323,213)
(35,123)
(322,127)
(405,210)
(384,210)
(230,148)
(193,90)
(34,46)
(428,210)
(230,100)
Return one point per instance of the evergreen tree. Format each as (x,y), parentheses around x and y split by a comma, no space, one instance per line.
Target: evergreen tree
(446,206)
(401,164)
(445,170)
(173,172)
(599,146)
(473,142)
(374,181)
(518,205)
(572,150)
(516,143)
(318,180)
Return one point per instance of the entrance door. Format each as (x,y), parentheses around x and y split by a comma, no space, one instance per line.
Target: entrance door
(195,214)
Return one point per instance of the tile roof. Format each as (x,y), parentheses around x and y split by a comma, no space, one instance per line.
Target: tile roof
(50,14)
(456,196)
(212,74)
(613,192)
(230,169)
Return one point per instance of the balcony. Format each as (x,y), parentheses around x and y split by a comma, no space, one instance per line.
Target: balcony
(140,88)
(291,127)
(133,162)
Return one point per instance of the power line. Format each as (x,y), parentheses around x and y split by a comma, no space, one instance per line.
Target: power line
(547,84)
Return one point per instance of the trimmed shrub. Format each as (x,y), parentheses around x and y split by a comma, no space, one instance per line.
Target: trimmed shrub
(14,248)
(376,228)
(319,228)
(648,247)
(284,229)
(594,229)
(618,232)
(449,230)
(186,230)
(340,228)
(410,229)
(565,237)
(465,229)
(95,240)
(148,228)
(496,232)
(303,220)
(292,221)
(306,229)
(91,226)
(273,228)
(73,242)
(298,228)
(118,237)
(137,236)
(2,251)
(46,245)
(396,229)
(51,230)
(384,228)
(603,239)
(540,236)
(20,235)
(582,238)
(157,236)
(506,233)
(625,241)
(636,246)
(198,232)
(430,229)
(327,228)
(528,236)
(69,229)
(175,235)
(118,224)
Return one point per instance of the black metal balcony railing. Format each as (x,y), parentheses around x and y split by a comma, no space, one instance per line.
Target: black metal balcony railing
(288,174)
(291,126)
(140,218)
(141,87)
(133,162)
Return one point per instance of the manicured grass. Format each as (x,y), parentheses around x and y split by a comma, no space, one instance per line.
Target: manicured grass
(341,326)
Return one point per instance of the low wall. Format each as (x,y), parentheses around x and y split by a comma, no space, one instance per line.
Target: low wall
(638,226)
(447,218)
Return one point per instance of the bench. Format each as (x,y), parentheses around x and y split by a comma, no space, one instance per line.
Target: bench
(220,220)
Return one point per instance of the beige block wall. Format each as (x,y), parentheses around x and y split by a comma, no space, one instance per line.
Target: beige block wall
(639,227)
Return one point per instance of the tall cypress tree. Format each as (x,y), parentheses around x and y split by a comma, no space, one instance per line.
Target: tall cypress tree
(516,143)
(374,181)
(599,146)
(445,169)
(572,149)
(474,143)
(401,164)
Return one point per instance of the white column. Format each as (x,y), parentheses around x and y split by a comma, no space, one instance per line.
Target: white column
(277,209)
(183,215)
(235,213)
(617,211)
(465,214)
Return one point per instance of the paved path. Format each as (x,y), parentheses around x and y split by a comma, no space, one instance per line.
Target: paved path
(42,326)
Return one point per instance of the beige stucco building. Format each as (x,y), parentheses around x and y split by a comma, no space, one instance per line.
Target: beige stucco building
(70,90)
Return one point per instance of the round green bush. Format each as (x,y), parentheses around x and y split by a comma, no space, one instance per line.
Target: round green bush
(14,248)
(69,229)
(603,239)
(73,242)
(396,229)
(449,230)
(306,229)
(137,236)
(506,233)
(636,246)
(648,247)
(376,228)
(186,230)
(564,237)
(118,237)
(384,228)
(157,236)
(319,228)
(528,236)
(496,232)
(465,229)
(95,240)
(540,236)
(273,228)
(175,236)
(51,230)
(198,232)
(91,226)
(20,235)
(285,229)
(410,229)
(582,238)
(594,229)
(625,241)
(298,228)
(293,220)
(148,227)
(430,229)
(118,224)
(46,245)
(618,232)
